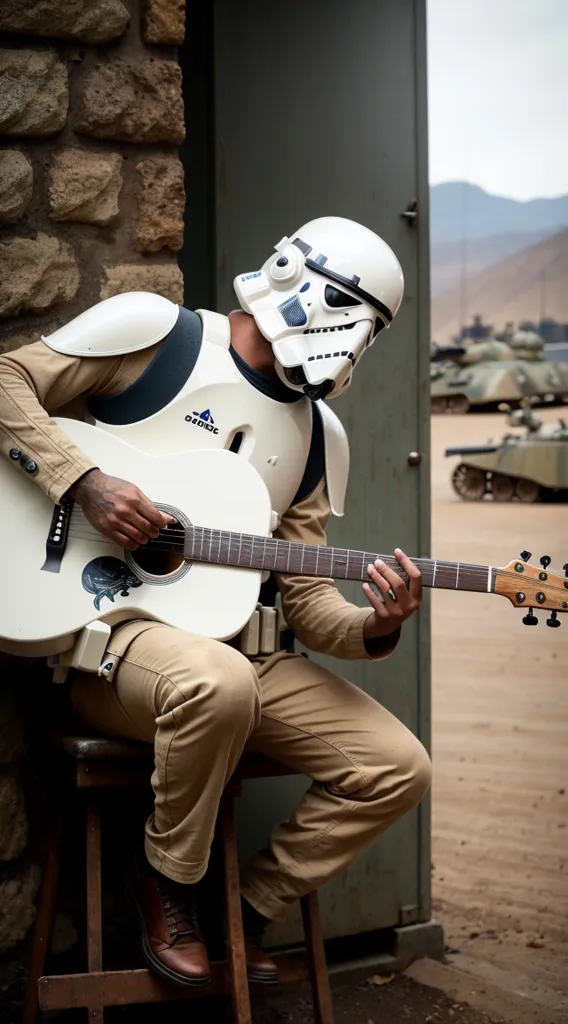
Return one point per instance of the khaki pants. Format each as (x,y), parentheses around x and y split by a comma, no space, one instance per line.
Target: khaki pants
(202,703)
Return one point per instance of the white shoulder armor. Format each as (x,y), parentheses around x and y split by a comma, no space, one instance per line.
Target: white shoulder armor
(336,458)
(216,327)
(124,323)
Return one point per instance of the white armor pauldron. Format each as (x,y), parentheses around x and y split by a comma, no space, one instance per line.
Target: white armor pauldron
(217,406)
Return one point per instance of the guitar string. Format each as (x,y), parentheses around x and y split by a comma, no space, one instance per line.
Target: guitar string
(473,571)
(248,541)
(165,536)
(171,533)
(163,543)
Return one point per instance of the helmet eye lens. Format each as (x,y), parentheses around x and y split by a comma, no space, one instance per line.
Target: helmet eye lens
(337,299)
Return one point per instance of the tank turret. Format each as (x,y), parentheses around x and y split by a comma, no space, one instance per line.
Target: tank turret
(527,345)
(490,351)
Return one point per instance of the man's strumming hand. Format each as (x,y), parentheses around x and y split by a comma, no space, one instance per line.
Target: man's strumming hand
(399,600)
(118,509)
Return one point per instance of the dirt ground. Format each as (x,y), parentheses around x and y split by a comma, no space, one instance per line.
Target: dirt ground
(403,1001)
(500,741)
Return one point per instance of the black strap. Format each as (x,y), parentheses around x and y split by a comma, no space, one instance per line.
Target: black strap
(353,286)
(162,379)
(272,387)
(315,464)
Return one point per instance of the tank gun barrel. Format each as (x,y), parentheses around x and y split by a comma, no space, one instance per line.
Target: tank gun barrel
(477,449)
(442,352)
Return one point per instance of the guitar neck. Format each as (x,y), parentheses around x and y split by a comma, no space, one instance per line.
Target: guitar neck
(222,547)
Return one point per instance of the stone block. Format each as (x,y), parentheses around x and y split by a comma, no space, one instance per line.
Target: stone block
(161,278)
(85,186)
(16,184)
(35,274)
(13,341)
(18,908)
(13,819)
(133,101)
(161,203)
(164,22)
(14,738)
(34,95)
(98,21)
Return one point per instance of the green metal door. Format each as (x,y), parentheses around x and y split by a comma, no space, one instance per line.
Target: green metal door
(319,109)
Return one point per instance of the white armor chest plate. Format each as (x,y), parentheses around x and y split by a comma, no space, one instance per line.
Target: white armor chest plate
(216,404)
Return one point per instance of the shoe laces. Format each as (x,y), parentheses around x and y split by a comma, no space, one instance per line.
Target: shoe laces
(180,909)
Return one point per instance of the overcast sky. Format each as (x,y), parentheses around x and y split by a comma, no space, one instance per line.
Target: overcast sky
(498,95)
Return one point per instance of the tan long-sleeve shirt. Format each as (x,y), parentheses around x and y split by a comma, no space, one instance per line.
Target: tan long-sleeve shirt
(37,383)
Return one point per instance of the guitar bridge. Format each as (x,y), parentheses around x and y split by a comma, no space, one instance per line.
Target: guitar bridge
(57,536)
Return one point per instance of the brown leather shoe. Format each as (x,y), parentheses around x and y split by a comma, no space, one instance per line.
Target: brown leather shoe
(172,942)
(260,967)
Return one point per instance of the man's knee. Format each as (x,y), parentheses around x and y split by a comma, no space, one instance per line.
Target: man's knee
(414,771)
(400,777)
(217,679)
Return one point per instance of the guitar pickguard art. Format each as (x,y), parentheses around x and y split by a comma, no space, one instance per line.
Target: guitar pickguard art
(107,576)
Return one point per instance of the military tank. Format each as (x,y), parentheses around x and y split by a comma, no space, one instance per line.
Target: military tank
(488,373)
(527,467)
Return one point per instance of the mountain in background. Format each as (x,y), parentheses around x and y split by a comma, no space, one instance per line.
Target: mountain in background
(487,240)
(448,258)
(456,204)
(512,289)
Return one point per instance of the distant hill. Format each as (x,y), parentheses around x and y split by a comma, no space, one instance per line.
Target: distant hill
(510,289)
(446,257)
(454,204)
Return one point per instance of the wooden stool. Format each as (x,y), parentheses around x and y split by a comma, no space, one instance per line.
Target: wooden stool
(97,764)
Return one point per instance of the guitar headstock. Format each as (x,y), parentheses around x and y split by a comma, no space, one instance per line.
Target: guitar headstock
(531,587)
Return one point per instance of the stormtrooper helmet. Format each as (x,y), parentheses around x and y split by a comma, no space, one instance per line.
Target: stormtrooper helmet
(321,300)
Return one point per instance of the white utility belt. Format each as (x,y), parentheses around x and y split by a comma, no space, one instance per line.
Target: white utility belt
(265,633)
(262,633)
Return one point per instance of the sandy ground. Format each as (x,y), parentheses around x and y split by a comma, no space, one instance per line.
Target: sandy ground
(500,741)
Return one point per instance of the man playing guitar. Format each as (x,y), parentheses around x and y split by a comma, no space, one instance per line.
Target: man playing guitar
(163,378)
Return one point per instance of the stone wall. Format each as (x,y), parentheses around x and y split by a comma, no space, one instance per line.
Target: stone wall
(91,204)
(91,185)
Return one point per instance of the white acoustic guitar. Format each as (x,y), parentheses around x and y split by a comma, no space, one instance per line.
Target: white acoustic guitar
(60,574)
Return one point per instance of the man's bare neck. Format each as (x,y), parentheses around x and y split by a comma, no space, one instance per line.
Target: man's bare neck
(250,344)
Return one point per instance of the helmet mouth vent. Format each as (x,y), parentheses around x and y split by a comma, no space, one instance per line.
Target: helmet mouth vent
(326,330)
(333,355)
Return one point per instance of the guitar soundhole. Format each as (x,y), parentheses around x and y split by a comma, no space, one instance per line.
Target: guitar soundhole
(159,557)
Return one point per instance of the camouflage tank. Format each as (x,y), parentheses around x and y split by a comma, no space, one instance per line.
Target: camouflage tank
(491,372)
(533,467)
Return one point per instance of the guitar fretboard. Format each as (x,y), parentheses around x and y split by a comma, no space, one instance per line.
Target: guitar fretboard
(248,551)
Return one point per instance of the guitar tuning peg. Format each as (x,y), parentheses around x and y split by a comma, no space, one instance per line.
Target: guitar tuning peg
(545,561)
(530,619)
(565,567)
(525,555)
(553,620)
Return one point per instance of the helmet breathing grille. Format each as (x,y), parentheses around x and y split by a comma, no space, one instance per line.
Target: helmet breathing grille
(293,312)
